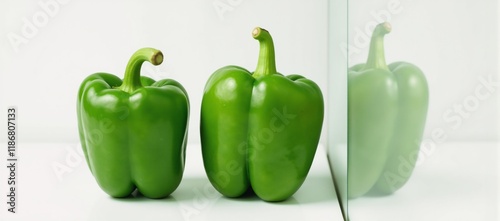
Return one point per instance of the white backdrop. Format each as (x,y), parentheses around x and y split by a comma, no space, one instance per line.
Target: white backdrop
(73,39)
(58,43)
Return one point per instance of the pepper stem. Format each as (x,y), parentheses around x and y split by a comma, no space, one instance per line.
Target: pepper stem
(266,64)
(376,56)
(132,79)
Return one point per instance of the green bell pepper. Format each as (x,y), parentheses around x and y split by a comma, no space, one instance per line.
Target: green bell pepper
(134,132)
(387,108)
(260,130)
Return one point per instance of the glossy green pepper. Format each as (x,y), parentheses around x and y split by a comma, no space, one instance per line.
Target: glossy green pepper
(134,132)
(387,108)
(260,130)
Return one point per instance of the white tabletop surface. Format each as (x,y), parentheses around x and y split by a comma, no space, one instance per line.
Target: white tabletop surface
(457,181)
(453,181)
(73,194)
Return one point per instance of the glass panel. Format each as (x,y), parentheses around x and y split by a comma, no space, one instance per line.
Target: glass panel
(422,111)
(337,97)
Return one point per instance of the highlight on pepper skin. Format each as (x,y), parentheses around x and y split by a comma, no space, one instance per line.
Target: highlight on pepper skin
(387,109)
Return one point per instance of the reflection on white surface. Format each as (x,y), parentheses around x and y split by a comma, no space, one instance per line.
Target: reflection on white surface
(458,181)
(76,195)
